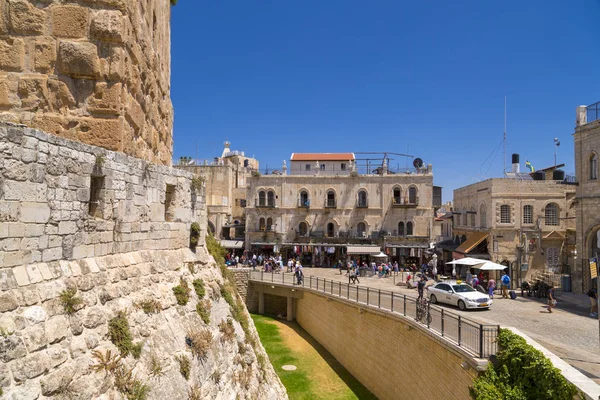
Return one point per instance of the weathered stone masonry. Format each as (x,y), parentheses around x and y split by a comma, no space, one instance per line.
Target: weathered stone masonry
(95,71)
(45,201)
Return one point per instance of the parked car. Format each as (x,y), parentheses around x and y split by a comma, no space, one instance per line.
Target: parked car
(458,294)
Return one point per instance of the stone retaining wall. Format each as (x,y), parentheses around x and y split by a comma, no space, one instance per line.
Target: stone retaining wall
(46,353)
(46,187)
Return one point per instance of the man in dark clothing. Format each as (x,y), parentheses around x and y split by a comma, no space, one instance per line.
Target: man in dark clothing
(421,287)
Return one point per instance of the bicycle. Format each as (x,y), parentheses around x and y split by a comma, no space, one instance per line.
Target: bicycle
(423,315)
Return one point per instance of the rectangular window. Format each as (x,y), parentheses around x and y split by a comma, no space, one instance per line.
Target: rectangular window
(307,167)
(242,203)
(169,197)
(343,166)
(528,214)
(322,167)
(95,204)
(505,214)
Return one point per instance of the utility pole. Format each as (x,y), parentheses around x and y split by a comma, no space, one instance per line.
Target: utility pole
(504,171)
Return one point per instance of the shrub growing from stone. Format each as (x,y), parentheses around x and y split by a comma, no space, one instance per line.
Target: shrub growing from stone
(199,287)
(70,301)
(182,292)
(184,365)
(203,309)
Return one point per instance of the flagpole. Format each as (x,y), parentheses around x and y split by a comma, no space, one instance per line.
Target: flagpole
(504,172)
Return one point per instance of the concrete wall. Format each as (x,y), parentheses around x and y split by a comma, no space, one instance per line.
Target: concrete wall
(93,71)
(392,359)
(45,184)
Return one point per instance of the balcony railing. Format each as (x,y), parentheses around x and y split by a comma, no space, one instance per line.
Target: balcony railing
(362,204)
(330,203)
(593,112)
(303,203)
(400,202)
(265,204)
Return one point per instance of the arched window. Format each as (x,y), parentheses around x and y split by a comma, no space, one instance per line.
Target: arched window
(400,228)
(304,202)
(361,229)
(505,214)
(464,218)
(397,195)
(261,224)
(412,195)
(330,200)
(330,230)
(262,198)
(528,214)
(271,199)
(409,228)
(303,229)
(482,216)
(472,216)
(362,199)
(269,224)
(593,166)
(551,214)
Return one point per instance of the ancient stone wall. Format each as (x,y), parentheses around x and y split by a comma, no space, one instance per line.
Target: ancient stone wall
(64,200)
(95,71)
(46,352)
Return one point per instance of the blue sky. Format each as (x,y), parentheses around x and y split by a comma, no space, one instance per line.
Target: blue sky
(282,76)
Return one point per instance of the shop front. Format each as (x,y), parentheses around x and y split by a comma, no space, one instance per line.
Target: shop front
(408,255)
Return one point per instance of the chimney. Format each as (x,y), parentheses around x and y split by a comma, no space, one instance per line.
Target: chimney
(516,166)
(581,118)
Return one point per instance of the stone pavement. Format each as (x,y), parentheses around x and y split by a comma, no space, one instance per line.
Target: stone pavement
(568,332)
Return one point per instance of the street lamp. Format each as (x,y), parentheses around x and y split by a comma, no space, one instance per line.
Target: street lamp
(556,144)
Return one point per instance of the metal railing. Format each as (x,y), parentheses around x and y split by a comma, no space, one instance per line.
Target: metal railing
(593,112)
(330,203)
(476,338)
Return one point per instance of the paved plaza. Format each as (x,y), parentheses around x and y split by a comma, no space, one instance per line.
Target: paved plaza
(568,332)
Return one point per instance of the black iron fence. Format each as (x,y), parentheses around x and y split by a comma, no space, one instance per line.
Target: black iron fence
(478,339)
(593,112)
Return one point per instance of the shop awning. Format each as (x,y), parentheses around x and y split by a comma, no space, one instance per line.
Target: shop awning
(232,244)
(408,246)
(554,235)
(363,250)
(472,241)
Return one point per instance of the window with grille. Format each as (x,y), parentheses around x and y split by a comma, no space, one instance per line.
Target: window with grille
(528,214)
(505,214)
(409,228)
(472,217)
(551,214)
(400,228)
(552,257)
(594,167)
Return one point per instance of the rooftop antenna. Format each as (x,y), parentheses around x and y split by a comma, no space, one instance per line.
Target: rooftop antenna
(504,171)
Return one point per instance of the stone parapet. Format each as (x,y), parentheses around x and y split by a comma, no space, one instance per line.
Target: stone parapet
(65,200)
(93,71)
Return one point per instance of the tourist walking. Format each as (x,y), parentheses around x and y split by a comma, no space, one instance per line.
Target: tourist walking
(421,287)
(505,283)
(593,294)
(551,299)
(491,287)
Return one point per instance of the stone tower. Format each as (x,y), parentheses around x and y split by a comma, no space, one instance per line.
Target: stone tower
(95,71)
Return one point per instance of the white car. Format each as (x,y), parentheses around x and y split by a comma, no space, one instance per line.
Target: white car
(458,294)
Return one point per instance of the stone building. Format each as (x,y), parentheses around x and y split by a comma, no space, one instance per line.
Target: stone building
(97,72)
(322,218)
(587,150)
(517,221)
(225,180)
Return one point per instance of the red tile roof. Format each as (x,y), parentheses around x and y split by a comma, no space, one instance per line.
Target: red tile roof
(322,156)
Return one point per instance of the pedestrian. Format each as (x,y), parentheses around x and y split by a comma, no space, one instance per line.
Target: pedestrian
(396,268)
(469,279)
(474,282)
(491,287)
(505,284)
(551,300)
(421,287)
(298,273)
(593,294)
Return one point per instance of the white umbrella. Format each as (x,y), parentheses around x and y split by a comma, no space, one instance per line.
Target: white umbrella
(491,266)
(467,261)
(380,255)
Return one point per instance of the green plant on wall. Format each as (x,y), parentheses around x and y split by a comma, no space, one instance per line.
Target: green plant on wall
(182,292)
(173,2)
(194,234)
(197,182)
(521,372)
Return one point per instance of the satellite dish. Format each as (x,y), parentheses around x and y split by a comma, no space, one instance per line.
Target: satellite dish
(418,163)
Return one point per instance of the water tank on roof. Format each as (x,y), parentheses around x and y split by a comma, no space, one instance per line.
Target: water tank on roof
(539,176)
(558,175)
(515,158)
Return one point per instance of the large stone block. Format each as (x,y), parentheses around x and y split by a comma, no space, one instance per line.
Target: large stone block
(104,133)
(78,59)
(61,98)
(25,18)
(35,212)
(108,26)
(12,54)
(106,99)
(69,21)
(45,54)
(33,91)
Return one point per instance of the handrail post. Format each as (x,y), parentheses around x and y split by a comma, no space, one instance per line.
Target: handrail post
(272,276)
(331,287)
(339,289)
(392,307)
(357,294)
(459,330)
(405,305)
(480,340)
(262,275)
(310,282)
(283,278)
(348,292)
(442,322)
(379,298)
(367,295)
